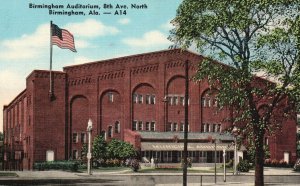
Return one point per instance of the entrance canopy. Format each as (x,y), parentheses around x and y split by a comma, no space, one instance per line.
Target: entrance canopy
(151,146)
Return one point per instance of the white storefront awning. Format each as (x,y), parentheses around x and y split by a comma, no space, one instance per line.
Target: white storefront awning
(148,146)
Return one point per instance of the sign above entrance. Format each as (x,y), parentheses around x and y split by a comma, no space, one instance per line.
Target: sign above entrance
(146,146)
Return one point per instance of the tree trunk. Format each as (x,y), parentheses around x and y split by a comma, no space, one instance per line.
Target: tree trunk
(259,159)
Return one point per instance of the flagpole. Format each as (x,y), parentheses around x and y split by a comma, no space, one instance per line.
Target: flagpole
(51,51)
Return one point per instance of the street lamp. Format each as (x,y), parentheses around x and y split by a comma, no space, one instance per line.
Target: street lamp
(235,133)
(224,164)
(89,154)
(216,141)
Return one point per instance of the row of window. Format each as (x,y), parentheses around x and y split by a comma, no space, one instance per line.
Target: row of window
(176,100)
(139,98)
(209,102)
(206,127)
(206,101)
(117,129)
(75,137)
(139,125)
(173,126)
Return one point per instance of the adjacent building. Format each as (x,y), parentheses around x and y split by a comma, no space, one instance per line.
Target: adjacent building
(138,99)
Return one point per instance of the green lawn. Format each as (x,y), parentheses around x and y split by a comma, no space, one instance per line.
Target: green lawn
(158,170)
(8,174)
(107,169)
(190,170)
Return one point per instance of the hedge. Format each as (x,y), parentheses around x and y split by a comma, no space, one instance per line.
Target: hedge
(57,165)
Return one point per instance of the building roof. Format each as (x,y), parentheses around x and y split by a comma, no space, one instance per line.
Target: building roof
(180,135)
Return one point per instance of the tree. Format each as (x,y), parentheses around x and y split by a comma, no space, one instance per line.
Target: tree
(250,36)
(99,148)
(120,149)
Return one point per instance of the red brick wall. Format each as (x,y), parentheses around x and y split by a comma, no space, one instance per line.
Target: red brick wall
(81,93)
(48,117)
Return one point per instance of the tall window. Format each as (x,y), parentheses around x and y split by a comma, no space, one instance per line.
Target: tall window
(117,127)
(208,128)
(75,154)
(134,125)
(110,132)
(219,128)
(181,127)
(170,100)
(148,127)
(214,128)
(75,138)
(110,97)
(135,98)
(140,98)
(152,126)
(152,101)
(175,100)
(147,99)
(175,126)
(83,137)
(181,100)
(140,125)
(203,102)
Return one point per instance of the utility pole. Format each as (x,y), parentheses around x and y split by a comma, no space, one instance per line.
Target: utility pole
(186,121)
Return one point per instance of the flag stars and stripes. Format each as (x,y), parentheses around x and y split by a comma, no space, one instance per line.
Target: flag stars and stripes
(62,38)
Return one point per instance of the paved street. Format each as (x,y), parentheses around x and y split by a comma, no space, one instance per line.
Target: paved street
(279,176)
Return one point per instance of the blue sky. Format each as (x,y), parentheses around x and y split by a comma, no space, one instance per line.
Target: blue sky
(24,37)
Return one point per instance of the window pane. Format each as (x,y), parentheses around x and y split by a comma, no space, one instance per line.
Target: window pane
(134,98)
(153,99)
(175,100)
(181,100)
(140,98)
(147,99)
(83,138)
(147,126)
(134,124)
(175,127)
(109,131)
(110,97)
(117,127)
(152,126)
(75,138)
(140,125)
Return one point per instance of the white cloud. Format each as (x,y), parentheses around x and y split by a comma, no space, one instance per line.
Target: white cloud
(36,45)
(91,28)
(27,46)
(124,21)
(11,84)
(167,26)
(149,39)
(82,59)
(79,43)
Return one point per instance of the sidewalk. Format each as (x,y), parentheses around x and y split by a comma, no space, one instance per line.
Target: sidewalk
(268,171)
(273,176)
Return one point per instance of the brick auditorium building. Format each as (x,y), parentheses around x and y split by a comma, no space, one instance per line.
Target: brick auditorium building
(138,99)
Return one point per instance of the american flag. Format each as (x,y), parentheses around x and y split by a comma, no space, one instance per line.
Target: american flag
(62,38)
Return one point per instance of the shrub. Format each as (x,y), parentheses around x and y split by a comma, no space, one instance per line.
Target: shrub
(297,166)
(134,165)
(243,166)
(276,163)
(57,165)
(189,162)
